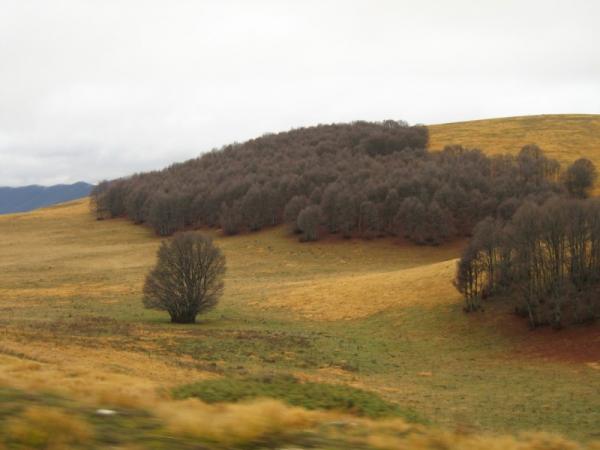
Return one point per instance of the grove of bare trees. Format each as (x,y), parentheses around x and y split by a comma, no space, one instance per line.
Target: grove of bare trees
(535,239)
(357,180)
(545,261)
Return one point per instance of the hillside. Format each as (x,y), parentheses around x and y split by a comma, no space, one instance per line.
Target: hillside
(27,198)
(564,137)
(376,323)
(381,317)
(367,179)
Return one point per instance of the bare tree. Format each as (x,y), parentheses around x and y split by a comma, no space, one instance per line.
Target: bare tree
(347,212)
(468,279)
(99,201)
(389,210)
(368,219)
(230,219)
(292,211)
(330,206)
(187,279)
(308,223)
(545,260)
(253,208)
(580,177)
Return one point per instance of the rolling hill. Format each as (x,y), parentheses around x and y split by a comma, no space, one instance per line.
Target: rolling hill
(378,318)
(28,198)
(364,179)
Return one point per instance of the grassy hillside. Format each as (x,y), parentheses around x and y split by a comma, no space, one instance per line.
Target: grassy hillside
(565,137)
(379,317)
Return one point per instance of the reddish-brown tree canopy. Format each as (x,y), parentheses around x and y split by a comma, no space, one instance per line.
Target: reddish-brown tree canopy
(358,179)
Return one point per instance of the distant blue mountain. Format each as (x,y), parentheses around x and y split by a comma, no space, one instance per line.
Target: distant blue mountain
(27,198)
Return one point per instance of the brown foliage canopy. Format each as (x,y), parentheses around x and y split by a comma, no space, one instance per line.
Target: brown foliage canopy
(358,179)
(580,177)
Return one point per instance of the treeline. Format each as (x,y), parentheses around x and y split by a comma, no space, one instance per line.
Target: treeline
(545,260)
(359,179)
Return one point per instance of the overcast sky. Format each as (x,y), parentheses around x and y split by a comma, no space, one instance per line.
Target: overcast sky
(101,89)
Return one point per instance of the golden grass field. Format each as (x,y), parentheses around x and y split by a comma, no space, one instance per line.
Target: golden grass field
(563,137)
(377,315)
(61,268)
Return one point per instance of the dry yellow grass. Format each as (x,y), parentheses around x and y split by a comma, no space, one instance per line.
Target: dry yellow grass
(564,137)
(357,295)
(59,263)
(59,266)
(252,424)
(72,320)
(458,441)
(235,425)
(336,279)
(232,424)
(48,428)
(62,255)
(97,376)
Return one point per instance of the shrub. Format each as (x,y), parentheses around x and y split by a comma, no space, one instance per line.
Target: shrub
(187,279)
(43,427)
(258,424)
(296,393)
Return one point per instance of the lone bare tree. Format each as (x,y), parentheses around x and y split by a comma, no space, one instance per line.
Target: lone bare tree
(187,279)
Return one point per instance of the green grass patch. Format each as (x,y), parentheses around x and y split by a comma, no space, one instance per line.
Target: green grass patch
(290,390)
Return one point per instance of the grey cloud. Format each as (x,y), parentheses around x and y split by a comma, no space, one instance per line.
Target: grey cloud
(92,90)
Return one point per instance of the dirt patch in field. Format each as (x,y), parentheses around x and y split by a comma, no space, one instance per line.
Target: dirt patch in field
(575,344)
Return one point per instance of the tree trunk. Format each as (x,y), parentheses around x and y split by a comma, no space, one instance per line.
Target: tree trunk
(183,318)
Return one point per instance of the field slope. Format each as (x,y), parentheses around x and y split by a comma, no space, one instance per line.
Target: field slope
(565,137)
(381,317)
(373,328)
